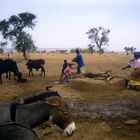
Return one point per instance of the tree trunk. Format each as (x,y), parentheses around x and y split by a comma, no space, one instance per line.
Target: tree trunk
(24,54)
(99,47)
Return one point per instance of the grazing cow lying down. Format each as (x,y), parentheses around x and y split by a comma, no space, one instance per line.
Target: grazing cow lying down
(16,131)
(36,64)
(7,66)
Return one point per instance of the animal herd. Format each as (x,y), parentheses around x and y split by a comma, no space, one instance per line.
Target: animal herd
(19,118)
(9,65)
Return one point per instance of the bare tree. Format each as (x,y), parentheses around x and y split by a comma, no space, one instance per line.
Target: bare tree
(99,37)
(129,50)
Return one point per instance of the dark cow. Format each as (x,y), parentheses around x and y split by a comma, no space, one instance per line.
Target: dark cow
(36,64)
(7,66)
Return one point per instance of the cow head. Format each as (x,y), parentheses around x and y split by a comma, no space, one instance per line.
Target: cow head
(19,75)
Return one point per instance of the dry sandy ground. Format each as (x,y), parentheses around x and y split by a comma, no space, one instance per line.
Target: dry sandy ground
(99,108)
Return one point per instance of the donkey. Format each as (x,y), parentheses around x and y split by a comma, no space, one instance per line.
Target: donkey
(33,114)
(16,131)
(47,96)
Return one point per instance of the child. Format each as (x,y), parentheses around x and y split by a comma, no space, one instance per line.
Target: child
(66,71)
(63,68)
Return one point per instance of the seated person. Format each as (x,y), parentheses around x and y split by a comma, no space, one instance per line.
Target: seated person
(134,63)
(135,74)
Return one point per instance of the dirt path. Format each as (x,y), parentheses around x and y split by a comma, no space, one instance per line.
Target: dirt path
(121,108)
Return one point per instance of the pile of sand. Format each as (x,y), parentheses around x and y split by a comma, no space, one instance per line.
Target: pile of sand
(90,85)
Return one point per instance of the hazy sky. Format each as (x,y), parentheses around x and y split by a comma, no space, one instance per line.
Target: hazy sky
(63,23)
